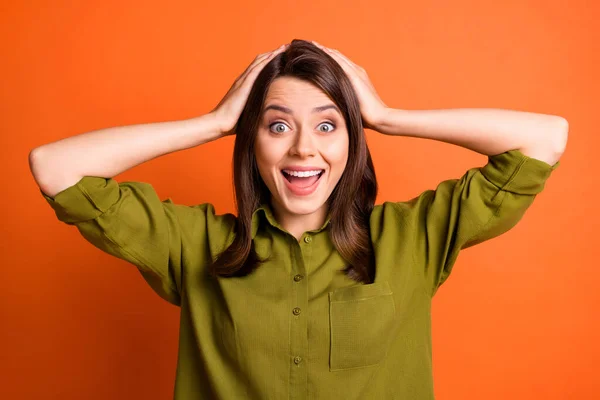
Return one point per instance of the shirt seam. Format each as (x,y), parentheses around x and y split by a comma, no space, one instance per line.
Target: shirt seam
(129,253)
(181,255)
(483,226)
(139,260)
(424,285)
(514,174)
(90,198)
(494,214)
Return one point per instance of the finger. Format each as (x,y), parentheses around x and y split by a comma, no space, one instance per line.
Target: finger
(265,57)
(251,74)
(244,84)
(349,62)
(343,63)
(261,57)
(338,56)
(256,60)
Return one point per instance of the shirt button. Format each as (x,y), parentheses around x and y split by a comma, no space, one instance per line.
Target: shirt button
(296,310)
(297,360)
(308,239)
(298,277)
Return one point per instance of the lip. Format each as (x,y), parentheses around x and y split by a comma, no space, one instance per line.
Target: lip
(303,191)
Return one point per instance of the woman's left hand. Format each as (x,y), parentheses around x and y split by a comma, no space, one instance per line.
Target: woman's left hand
(371,106)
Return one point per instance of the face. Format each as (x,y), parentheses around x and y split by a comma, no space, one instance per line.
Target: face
(300,131)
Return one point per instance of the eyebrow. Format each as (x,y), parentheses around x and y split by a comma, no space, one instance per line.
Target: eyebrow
(289,111)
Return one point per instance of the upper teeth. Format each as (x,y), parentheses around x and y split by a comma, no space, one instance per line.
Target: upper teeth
(302,173)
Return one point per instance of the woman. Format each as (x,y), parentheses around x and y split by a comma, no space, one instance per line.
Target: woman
(311,291)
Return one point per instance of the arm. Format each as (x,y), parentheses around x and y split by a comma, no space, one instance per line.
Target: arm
(484,130)
(129,220)
(522,149)
(111,151)
(108,152)
(487,131)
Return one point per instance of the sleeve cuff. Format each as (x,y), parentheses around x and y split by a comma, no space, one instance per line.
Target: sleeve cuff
(86,200)
(515,172)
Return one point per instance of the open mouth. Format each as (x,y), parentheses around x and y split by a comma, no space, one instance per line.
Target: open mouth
(291,178)
(302,182)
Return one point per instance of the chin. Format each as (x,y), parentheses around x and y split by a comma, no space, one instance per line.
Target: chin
(303,207)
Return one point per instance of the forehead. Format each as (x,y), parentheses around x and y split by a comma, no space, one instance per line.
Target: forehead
(299,95)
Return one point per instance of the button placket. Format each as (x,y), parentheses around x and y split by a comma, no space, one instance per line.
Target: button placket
(299,304)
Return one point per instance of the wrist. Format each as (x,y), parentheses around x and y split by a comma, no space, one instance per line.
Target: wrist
(205,128)
(213,122)
(389,121)
(381,122)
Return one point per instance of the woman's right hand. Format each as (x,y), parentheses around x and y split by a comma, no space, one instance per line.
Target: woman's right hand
(230,108)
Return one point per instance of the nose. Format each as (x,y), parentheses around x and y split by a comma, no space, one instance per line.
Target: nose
(304,144)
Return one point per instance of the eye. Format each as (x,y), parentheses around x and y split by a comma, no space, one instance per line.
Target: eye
(278,129)
(330,129)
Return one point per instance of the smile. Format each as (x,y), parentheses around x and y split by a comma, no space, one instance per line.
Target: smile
(302,186)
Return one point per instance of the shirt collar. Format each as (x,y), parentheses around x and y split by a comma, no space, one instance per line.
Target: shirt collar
(265,212)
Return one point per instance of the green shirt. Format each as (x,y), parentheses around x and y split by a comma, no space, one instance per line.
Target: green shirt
(298,327)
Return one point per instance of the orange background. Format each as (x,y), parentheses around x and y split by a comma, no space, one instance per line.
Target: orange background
(518,318)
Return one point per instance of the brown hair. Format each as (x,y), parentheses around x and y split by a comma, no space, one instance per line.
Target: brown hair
(352,200)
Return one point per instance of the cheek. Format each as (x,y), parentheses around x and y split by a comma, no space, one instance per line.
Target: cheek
(336,153)
(268,152)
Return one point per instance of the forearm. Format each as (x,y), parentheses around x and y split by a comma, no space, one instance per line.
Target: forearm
(485,130)
(108,152)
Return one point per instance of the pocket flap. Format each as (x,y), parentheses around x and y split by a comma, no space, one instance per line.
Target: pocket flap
(360,291)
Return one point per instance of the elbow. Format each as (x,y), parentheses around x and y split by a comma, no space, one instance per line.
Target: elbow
(561,134)
(38,170)
(49,179)
(34,164)
(551,145)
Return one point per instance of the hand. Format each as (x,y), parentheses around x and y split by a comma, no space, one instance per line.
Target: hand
(230,108)
(371,106)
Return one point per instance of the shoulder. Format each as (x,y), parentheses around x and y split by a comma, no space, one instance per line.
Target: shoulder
(204,214)
(391,218)
(205,231)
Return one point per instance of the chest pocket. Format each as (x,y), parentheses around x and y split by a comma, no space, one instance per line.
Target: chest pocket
(361,320)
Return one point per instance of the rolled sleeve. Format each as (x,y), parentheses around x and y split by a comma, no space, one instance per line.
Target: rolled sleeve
(129,221)
(85,200)
(484,203)
(515,172)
